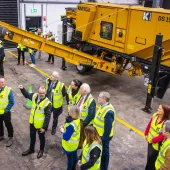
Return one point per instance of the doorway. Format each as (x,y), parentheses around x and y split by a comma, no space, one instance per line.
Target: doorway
(32,23)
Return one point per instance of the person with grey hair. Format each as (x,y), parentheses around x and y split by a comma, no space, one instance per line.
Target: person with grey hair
(39,118)
(163,159)
(86,104)
(56,92)
(104,123)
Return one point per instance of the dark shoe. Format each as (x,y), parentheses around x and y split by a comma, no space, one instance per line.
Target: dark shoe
(47,61)
(9,142)
(18,64)
(53,132)
(40,154)
(1,138)
(23,63)
(28,152)
(63,68)
(52,63)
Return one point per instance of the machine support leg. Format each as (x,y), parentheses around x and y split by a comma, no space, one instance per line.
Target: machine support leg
(154,73)
(64,39)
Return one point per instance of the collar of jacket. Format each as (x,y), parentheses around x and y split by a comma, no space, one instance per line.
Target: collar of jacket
(2,89)
(69,119)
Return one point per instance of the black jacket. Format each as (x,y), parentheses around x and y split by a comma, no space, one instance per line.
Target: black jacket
(47,110)
(91,111)
(2,54)
(49,93)
(94,155)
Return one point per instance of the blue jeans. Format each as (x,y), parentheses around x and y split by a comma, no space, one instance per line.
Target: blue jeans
(32,58)
(72,160)
(105,155)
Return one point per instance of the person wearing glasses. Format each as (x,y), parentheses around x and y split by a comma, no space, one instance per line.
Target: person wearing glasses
(55,92)
(39,118)
(104,123)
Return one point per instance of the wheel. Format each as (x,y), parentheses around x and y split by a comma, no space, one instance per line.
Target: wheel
(81,69)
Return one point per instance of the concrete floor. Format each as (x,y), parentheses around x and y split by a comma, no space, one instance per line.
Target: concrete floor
(128,149)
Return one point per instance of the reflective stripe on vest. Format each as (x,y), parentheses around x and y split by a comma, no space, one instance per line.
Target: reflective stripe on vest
(37,115)
(57,95)
(86,154)
(73,142)
(161,157)
(72,100)
(21,47)
(85,107)
(98,121)
(4,99)
(155,130)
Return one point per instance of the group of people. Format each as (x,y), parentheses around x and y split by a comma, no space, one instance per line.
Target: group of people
(85,127)
(157,134)
(22,49)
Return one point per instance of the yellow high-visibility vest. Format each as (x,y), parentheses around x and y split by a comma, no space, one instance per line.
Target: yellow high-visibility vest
(41,35)
(161,157)
(154,131)
(72,99)
(57,94)
(21,47)
(30,50)
(84,110)
(73,143)
(86,154)
(37,115)
(99,122)
(4,99)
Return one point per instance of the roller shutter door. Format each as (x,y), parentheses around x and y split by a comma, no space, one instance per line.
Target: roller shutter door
(9,14)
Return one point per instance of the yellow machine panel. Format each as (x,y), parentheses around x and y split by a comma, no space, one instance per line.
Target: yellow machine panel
(126,29)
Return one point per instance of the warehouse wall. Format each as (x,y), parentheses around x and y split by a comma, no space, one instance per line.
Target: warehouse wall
(52,10)
(120,1)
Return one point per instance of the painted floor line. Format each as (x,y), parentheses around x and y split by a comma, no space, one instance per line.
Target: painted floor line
(118,119)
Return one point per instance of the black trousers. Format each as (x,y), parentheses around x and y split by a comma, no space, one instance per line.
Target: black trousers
(56,114)
(6,118)
(151,158)
(19,55)
(51,57)
(33,131)
(63,63)
(2,68)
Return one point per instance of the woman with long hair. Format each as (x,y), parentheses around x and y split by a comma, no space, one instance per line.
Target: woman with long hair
(92,150)
(154,135)
(71,137)
(73,92)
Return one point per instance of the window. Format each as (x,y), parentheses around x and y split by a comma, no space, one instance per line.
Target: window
(106,29)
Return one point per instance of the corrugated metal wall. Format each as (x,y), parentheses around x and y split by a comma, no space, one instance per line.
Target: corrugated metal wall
(9,14)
